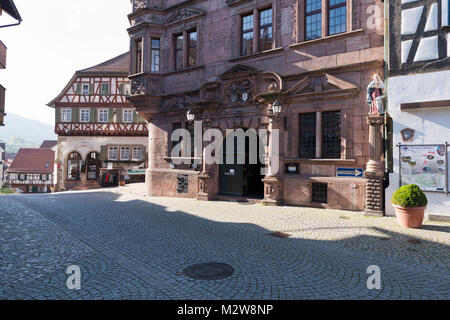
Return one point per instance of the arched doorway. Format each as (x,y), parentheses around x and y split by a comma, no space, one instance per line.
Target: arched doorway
(93,165)
(74,166)
(242,180)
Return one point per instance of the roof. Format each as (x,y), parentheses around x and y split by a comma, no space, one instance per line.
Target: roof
(120,63)
(33,161)
(10,8)
(48,144)
(114,66)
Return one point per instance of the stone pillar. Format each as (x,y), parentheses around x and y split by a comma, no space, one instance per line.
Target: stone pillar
(375,168)
(272,182)
(204,177)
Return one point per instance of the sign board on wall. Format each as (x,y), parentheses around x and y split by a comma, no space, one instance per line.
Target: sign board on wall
(424,165)
(350,172)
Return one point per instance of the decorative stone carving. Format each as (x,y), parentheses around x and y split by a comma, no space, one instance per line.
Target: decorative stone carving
(203,183)
(239,92)
(272,190)
(142,4)
(137,87)
(210,90)
(184,14)
(232,3)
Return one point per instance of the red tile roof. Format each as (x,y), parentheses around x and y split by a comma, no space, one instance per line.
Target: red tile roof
(48,144)
(33,161)
(118,64)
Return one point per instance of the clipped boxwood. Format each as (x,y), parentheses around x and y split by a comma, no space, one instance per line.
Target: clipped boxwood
(409,196)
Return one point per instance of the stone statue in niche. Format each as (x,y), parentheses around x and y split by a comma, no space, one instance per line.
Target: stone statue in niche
(375,95)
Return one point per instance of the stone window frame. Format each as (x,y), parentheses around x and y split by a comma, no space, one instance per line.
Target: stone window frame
(351,20)
(129,152)
(255,9)
(185,31)
(155,68)
(134,55)
(344,135)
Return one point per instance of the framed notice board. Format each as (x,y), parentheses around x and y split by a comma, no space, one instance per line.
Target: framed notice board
(425,165)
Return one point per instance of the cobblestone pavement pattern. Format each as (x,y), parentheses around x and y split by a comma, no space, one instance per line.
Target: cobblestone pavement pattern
(129,246)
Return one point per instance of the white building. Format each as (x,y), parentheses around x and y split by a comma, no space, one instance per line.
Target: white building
(418,92)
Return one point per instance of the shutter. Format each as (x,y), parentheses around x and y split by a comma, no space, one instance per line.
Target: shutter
(91,89)
(40,177)
(103,153)
(75,115)
(94,115)
(110,114)
(144,155)
(57,115)
(120,115)
(78,88)
(25,177)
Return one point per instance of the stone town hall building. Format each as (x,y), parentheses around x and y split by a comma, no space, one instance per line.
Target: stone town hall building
(228,61)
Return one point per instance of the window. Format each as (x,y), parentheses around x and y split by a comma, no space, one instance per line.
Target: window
(125,153)
(192,48)
(265,29)
(85,89)
(337,16)
(103,115)
(124,88)
(44,177)
(307,135)
(138,56)
(313,19)
(112,153)
(179,39)
(66,115)
(85,115)
(137,153)
(106,88)
(319,192)
(127,115)
(326,134)
(22,177)
(155,55)
(331,135)
(247,34)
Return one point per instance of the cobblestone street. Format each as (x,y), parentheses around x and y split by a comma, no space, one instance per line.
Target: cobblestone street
(129,246)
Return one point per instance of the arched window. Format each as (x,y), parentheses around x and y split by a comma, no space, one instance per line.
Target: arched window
(74,166)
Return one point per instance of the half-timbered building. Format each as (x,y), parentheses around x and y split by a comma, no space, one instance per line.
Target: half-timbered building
(32,170)
(101,139)
(2,162)
(231,64)
(9,7)
(418,91)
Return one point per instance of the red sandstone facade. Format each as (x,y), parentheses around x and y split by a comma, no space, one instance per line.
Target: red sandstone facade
(209,58)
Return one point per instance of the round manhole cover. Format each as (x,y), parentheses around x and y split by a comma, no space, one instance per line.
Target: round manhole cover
(209,271)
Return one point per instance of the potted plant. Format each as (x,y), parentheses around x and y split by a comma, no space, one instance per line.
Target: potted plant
(409,203)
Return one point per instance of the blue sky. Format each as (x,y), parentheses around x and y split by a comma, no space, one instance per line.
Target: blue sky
(56,38)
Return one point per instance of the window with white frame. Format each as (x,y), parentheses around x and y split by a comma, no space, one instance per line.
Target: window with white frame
(125,153)
(85,88)
(127,115)
(137,153)
(85,115)
(66,115)
(112,153)
(103,115)
(22,176)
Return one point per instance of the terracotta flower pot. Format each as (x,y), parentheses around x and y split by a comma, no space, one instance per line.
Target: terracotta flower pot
(409,217)
(122,183)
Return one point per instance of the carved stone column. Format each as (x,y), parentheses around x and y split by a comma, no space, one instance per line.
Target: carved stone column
(272,181)
(375,168)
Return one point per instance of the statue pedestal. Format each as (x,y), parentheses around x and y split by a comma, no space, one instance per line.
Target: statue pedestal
(272,191)
(375,168)
(203,183)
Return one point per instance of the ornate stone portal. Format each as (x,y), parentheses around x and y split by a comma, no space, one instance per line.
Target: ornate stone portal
(375,168)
